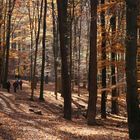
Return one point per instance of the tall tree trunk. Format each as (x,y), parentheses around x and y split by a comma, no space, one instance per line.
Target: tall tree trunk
(63,30)
(4,46)
(91,114)
(31,43)
(88,42)
(79,53)
(10,10)
(115,106)
(131,78)
(75,51)
(54,46)
(71,37)
(36,50)
(104,94)
(43,53)
(1,9)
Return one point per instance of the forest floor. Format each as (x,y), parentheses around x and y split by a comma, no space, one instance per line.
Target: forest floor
(22,119)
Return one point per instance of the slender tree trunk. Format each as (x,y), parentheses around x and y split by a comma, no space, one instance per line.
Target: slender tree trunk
(73,52)
(10,10)
(75,56)
(91,114)
(104,94)
(43,53)
(115,107)
(4,46)
(131,78)
(36,50)
(31,45)
(1,9)
(71,21)
(88,43)
(66,83)
(54,46)
(79,54)
(71,44)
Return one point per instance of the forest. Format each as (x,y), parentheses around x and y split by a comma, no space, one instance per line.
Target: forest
(69,69)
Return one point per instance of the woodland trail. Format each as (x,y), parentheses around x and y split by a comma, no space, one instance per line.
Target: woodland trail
(22,119)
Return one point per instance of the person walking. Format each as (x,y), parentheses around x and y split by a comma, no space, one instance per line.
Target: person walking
(15,86)
(8,85)
(20,84)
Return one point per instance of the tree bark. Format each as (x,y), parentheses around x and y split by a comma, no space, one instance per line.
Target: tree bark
(43,53)
(131,78)
(9,14)
(91,114)
(104,94)
(36,50)
(1,9)
(63,30)
(32,44)
(114,101)
(79,52)
(54,46)
(4,46)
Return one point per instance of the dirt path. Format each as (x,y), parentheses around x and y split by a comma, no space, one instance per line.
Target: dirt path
(22,119)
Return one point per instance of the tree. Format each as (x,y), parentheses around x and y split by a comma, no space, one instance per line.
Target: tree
(43,52)
(55,48)
(63,31)
(4,15)
(31,34)
(91,113)
(115,106)
(103,44)
(131,77)
(79,50)
(1,4)
(11,5)
(36,49)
